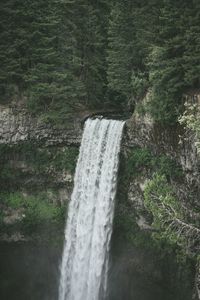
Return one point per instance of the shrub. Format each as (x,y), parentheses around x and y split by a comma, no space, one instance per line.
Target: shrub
(142,159)
(37,209)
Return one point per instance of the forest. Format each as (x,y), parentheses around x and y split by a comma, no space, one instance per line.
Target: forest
(61,56)
(119,80)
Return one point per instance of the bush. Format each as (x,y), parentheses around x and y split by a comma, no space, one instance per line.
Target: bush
(66,159)
(191,120)
(169,219)
(142,159)
(37,209)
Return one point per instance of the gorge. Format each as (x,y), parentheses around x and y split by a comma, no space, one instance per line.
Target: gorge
(73,73)
(143,147)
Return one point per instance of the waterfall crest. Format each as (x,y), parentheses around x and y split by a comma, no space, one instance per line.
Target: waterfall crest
(89,224)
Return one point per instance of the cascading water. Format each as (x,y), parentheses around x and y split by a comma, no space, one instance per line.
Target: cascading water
(89,225)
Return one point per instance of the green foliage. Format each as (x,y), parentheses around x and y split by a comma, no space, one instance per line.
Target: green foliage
(33,159)
(169,220)
(138,159)
(13,200)
(40,159)
(191,120)
(139,84)
(1,219)
(37,209)
(66,159)
(127,77)
(53,52)
(120,36)
(143,160)
(59,159)
(157,48)
(165,66)
(191,54)
(127,230)
(160,200)
(125,227)
(78,54)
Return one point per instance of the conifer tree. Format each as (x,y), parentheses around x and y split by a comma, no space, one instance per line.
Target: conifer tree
(91,23)
(54,85)
(191,59)
(120,36)
(127,49)
(15,16)
(64,55)
(165,65)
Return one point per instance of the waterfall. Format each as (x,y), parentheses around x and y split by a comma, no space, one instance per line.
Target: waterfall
(88,230)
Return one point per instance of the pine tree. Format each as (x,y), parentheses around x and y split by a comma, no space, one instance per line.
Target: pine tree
(15,16)
(64,55)
(54,86)
(165,65)
(120,36)
(91,23)
(128,48)
(191,59)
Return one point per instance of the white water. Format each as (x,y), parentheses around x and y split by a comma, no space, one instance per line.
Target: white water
(89,224)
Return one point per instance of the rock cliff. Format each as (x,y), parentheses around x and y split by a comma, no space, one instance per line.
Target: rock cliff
(43,170)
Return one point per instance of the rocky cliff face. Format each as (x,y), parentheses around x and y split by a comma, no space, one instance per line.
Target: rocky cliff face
(178,144)
(37,161)
(17,125)
(174,142)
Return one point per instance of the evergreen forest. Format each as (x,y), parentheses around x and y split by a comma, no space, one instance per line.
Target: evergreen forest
(61,56)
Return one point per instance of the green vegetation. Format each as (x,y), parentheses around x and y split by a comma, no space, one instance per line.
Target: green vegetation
(36,210)
(20,165)
(139,162)
(53,52)
(172,225)
(66,159)
(161,201)
(191,120)
(127,230)
(66,56)
(40,160)
(142,159)
(174,229)
(169,219)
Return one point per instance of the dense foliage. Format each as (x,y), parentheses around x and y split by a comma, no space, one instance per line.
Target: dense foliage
(140,163)
(191,120)
(155,180)
(169,218)
(42,161)
(62,56)
(36,209)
